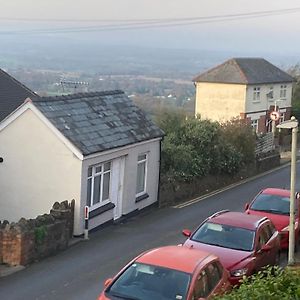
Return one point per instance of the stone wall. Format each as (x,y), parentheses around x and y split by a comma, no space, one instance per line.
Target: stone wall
(28,240)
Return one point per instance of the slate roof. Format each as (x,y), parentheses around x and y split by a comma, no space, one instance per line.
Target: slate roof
(245,71)
(98,121)
(12,94)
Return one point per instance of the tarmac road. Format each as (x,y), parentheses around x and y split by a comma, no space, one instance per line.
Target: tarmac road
(79,272)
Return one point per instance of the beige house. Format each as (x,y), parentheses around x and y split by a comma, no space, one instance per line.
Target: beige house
(247,88)
(97,148)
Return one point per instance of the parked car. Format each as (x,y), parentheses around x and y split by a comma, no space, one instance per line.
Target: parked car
(167,273)
(274,203)
(244,243)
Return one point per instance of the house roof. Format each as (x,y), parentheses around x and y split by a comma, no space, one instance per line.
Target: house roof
(245,71)
(98,121)
(12,94)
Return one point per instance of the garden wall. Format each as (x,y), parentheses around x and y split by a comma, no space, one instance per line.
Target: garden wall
(28,240)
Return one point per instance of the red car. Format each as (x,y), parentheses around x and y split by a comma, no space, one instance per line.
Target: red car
(275,204)
(168,273)
(243,243)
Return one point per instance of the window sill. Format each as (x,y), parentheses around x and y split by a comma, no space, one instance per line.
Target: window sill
(141,197)
(100,210)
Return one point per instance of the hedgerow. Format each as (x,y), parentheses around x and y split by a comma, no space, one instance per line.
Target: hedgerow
(269,284)
(195,148)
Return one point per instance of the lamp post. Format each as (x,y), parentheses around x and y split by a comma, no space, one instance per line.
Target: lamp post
(292,124)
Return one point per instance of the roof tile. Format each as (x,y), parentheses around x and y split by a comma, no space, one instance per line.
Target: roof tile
(98,121)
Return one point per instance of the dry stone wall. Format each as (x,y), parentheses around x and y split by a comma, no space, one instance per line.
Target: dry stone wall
(28,240)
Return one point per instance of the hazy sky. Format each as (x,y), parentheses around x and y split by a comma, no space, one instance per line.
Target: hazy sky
(270,33)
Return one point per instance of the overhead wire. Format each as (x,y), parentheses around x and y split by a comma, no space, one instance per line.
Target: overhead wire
(134,24)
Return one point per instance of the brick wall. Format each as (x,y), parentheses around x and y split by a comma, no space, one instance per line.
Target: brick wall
(30,240)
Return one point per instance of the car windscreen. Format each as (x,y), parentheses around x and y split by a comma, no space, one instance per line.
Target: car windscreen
(275,204)
(225,236)
(148,282)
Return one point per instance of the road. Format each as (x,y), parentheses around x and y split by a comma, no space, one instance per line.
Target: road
(79,272)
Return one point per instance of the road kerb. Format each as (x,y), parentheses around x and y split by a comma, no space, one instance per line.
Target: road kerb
(213,193)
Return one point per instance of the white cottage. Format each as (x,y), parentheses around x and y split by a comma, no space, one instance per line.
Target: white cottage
(97,148)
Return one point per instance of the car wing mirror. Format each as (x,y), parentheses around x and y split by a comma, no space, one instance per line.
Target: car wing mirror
(246,206)
(107,282)
(186,232)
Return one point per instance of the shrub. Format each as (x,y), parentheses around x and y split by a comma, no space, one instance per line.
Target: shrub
(269,284)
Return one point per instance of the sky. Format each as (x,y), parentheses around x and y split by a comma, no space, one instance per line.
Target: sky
(274,33)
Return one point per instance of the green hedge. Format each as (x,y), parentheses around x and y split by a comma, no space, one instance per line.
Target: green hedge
(269,284)
(194,147)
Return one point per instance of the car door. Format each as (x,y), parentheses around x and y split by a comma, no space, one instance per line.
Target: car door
(264,237)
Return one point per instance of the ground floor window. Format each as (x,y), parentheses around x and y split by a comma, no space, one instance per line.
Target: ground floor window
(141,174)
(254,124)
(98,184)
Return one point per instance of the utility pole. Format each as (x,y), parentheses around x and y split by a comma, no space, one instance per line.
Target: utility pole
(292,124)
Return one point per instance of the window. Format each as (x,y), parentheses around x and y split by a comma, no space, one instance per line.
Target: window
(141,174)
(201,289)
(270,94)
(262,239)
(215,274)
(254,124)
(98,184)
(283,91)
(256,93)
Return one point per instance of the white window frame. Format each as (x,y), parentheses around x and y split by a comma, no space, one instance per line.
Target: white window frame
(140,162)
(254,124)
(92,177)
(282,117)
(283,90)
(256,94)
(271,93)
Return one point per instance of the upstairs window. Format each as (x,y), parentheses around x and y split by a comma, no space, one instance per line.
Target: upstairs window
(141,174)
(270,94)
(98,185)
(283,91)
(256,93)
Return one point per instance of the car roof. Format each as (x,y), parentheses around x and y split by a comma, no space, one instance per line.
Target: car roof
(176,257)
(276,191)
(237,219)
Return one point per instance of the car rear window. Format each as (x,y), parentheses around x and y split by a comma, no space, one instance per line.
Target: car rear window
(275,204)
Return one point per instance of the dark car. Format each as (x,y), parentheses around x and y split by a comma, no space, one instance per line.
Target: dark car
(244,243)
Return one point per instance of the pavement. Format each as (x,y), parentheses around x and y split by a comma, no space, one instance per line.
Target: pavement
(6,270)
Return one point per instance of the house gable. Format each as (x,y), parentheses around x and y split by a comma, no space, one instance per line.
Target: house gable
(28,105)
(12,94)
(37,169)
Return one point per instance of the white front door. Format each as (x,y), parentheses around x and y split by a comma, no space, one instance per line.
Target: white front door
(118,168)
